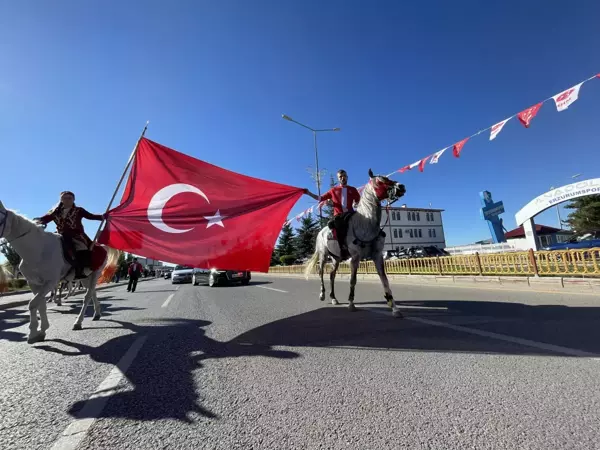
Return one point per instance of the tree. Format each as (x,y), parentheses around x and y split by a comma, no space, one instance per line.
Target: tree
(306,237)
(12,257)
(286,247)
(586,214)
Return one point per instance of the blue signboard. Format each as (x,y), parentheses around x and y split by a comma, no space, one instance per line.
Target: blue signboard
(491,211)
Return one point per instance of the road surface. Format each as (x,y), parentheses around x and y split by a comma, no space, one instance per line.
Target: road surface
(269,366)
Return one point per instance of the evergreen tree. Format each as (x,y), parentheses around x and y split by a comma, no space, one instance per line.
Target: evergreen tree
(586,214)
(12,257)
(306,237)
(286,250)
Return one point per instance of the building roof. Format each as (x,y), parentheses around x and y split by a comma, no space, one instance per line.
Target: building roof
(541,230)
(406,208)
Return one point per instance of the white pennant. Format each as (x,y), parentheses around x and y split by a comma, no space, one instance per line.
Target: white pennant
(498,128)
(565,98)
(436,156)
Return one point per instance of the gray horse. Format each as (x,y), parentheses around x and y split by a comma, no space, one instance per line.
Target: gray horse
(364,239)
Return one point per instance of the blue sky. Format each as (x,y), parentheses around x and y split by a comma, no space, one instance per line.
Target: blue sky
(78,80)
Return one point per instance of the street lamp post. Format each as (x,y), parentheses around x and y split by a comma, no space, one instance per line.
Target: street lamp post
(318,173)
(558,206)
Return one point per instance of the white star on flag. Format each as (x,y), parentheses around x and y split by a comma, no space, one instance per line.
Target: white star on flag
(217,219)
(436,156)
(497,128)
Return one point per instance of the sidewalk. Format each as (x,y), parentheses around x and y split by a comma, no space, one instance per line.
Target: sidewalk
(15,300)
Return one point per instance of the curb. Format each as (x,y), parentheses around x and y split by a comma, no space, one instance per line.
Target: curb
(532,284)
(17,303)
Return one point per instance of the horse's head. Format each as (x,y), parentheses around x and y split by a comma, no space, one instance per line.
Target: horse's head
(385,188)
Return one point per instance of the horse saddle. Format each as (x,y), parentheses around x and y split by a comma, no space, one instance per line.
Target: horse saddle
(94,262)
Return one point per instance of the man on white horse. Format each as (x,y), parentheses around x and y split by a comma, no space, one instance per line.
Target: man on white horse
(343,199)
(68,219)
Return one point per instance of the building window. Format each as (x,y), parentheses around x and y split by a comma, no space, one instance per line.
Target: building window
(414,216)
(433,232)
(418,217)
(410,232)
(429,231)
(409,216)
(430,217)
(415,232)
(398,215)
(395,233)
(420,234)
(400,233)
(393,215)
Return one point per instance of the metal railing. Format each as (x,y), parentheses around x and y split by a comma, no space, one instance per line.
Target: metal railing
(585,262)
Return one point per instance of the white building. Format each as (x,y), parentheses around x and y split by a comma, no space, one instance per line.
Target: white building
(413,227)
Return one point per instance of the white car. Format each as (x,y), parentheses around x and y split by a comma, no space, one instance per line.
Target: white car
(182,274)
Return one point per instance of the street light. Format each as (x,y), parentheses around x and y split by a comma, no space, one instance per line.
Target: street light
(577,175)
(318,173)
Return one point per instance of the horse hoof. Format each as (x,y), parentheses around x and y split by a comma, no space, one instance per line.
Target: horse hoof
(37,338)
(77,327)
(96,318)
(398,314)
(322,298)
(352,308)
(334,301)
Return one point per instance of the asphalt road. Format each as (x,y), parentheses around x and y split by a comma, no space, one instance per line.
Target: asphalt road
(269,366)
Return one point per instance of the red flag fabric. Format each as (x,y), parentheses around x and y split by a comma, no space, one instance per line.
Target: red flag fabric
(404,169)
(527,115)
(457,148)
(182,210)
(422,163)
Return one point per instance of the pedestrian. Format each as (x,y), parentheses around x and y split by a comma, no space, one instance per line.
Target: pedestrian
(134,271)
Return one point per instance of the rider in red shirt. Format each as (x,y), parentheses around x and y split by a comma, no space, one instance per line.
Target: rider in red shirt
(343,199)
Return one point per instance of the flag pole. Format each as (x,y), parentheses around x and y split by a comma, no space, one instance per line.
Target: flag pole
(119,184)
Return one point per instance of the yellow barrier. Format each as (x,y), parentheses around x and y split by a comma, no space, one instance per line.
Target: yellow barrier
(557,263)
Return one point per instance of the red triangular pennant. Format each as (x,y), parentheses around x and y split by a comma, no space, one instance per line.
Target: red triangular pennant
(528,114)
(457,148)
(422,163)
(404,169)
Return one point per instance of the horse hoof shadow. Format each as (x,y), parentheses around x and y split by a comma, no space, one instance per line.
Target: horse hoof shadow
(37,338)
(77,327)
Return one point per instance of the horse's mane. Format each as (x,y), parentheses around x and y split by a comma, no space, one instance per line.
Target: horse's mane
(25,221)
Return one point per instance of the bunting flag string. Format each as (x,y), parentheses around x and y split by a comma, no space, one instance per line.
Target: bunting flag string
(562,100)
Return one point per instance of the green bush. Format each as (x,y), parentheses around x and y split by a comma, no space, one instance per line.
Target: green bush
(17,284)
(287,260)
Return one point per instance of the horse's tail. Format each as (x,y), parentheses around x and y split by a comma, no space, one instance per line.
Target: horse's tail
(110,268)
(312,263)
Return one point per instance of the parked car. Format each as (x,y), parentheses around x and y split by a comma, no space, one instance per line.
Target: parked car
(214,277)
(167,275)
(587,240)
(182,274)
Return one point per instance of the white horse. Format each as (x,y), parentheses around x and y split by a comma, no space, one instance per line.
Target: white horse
(44,265)
(364,239)
(71,286)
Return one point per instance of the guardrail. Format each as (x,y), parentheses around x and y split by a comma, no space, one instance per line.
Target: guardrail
(556,263)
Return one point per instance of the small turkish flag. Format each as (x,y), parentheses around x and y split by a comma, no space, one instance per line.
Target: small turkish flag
(405,168)
(457,148)
(422,163)
(527,115)
(182,210)
(565,98)
(497,128)
(436,156)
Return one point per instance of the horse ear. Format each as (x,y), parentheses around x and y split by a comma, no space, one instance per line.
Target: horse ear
(371,173)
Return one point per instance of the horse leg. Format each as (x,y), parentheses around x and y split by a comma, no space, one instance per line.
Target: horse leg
(86,302)
(34,306)
(321,271)
(354,263)
(97,310)
(380,266)
(336,264)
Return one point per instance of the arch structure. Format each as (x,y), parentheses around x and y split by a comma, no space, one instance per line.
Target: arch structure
(550,199)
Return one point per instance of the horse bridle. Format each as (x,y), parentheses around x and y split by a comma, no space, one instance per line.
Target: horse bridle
(3,228)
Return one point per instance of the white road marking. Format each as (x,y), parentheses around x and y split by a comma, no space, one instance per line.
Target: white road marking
(272,289)
(76,431)
(500,337)
(166,303)
(177,288)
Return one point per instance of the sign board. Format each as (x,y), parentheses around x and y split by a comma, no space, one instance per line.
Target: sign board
(556,196)
(491,211)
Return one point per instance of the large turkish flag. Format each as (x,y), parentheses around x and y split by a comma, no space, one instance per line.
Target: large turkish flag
(181,210)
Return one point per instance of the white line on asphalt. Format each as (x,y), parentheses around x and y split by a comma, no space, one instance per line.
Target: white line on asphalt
(177,288)
(501,337)
(272,289)
(76,431)
(164,305)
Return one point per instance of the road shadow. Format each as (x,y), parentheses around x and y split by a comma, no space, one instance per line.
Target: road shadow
(162,374)
(333,326)
(13,318)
